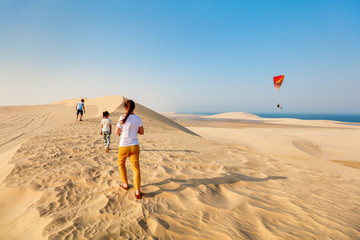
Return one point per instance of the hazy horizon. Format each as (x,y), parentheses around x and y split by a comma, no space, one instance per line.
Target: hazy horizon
(280,112)
(184,56)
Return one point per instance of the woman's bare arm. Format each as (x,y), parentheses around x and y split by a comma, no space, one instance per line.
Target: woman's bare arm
(118,131)
(141,130)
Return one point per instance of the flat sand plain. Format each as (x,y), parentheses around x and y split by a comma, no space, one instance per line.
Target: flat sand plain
(222,179)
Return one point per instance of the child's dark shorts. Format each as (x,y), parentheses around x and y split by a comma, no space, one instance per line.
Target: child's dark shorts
(79,111)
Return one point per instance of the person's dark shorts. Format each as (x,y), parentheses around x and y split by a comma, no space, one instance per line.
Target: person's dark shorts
(79,111)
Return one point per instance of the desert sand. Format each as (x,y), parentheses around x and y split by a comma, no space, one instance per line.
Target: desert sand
(235,176)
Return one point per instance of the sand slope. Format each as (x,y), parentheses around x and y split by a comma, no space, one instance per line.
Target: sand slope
(64,186)
(18,125)
(108,103)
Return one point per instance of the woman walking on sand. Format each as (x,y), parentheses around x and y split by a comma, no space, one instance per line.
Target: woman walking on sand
(128,126)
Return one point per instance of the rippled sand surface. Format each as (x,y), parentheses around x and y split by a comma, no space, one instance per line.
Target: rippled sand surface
(227,183)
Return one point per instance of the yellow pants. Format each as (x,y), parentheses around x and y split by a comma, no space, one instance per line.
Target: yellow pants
(133,153)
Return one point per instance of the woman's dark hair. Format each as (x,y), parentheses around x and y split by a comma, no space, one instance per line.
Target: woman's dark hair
(105,114)
(130,106)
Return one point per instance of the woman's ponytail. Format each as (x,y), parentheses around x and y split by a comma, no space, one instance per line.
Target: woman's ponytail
(130,106)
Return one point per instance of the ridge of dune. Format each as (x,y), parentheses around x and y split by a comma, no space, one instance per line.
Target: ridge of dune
(115,104)
(253,117)
(235,115)
(107,103)
(145,112)
(194,120)
(27,121)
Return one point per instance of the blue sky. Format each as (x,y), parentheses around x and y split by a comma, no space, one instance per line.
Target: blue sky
(185,56)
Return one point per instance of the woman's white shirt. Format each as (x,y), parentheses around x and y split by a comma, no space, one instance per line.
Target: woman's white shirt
(129,130)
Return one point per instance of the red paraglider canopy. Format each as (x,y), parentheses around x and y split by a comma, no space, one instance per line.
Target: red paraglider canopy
(278,80)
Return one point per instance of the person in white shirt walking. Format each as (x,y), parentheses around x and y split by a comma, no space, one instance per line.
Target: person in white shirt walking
(80,109)
(106,129)
(128,127)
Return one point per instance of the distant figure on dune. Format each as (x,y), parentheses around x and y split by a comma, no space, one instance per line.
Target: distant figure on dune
(128,126)
(80,109)
(105,129)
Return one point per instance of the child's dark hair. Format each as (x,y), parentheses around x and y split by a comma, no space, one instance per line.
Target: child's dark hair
(82,100)
(105,114)
(130,105)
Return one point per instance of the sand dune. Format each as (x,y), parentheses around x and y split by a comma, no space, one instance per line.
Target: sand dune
(64,186)
(235,115)
(108,103)
(18,125)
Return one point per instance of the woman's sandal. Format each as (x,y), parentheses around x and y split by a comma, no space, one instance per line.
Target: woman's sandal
(122,186)
(138,196)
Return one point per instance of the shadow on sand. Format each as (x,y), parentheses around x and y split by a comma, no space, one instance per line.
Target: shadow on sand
(228,178)
(168,150)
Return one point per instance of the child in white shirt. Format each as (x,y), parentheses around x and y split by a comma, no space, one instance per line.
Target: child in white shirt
(106,129)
